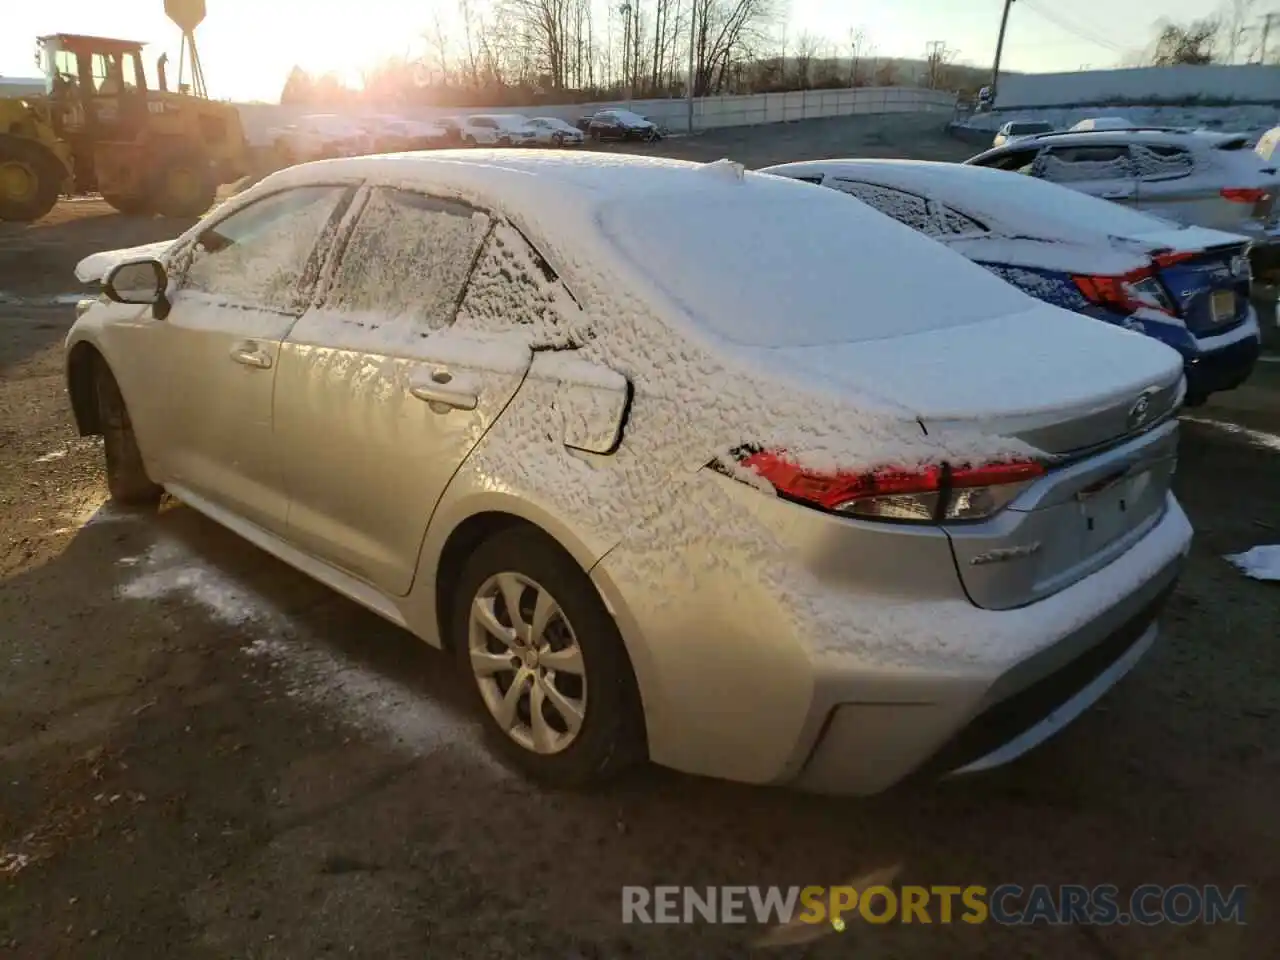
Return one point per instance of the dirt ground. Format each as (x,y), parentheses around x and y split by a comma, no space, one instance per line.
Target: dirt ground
(204,754)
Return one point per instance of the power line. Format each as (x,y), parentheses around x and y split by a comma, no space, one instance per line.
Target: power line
(1072,28)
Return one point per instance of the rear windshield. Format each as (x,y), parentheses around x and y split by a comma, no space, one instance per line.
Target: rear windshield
(1025,202)
(1019,129)
(798,267)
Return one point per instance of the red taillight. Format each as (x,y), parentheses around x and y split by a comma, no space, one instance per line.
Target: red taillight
(1131,291)
(924,494)
(1244,194)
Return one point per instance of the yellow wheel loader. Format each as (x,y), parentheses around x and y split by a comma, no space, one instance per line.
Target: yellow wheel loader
(99,128)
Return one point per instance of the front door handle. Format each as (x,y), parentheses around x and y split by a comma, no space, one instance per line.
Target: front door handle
(1117,195)
(251,355)
(441,388)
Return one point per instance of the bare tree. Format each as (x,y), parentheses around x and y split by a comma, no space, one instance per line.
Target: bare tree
(720,27)
(857,49)
(806,47)
(1193,44)
(1235,19)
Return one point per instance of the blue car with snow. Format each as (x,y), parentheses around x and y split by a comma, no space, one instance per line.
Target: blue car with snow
(1183,285)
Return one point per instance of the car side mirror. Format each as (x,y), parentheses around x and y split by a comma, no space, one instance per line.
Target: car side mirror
(139,282)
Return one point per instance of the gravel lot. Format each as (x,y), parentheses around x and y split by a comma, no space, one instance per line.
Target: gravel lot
(204,754)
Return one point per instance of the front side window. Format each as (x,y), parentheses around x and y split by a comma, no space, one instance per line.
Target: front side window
(260,255)
(1079,164)
(407,261)
(904,207)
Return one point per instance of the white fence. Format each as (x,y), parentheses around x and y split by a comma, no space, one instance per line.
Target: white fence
(708,112)
(1147,85)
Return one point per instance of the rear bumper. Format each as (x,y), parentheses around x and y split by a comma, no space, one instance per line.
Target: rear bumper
(1222,369)
(1024,706)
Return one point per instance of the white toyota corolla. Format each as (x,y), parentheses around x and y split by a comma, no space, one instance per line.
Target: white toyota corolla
(681,461)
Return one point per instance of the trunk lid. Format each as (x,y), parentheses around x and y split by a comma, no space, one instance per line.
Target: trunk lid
(1061,382)
(1099,397)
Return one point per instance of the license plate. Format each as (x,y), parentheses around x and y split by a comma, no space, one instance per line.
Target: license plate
(1109,513)
(1223,305)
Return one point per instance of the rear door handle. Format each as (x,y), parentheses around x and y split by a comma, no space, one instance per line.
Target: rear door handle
(251,354)
(1117,195)
(440,387)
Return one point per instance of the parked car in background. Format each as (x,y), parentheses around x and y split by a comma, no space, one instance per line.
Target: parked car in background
(1207,179)
(1017,129)
(1103,123)
(1185,286)
(617,124)
(552,412)
(321,136)
(452,127)
(498,129)
(552,131)
(392,134)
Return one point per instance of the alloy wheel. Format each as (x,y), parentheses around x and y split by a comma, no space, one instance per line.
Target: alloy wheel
(527,662)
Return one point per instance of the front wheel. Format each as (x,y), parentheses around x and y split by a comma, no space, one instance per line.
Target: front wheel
(127,478)
(31,178)
(546,661)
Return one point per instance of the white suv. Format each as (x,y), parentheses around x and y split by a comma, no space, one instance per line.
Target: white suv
(498,129)
(1195,177)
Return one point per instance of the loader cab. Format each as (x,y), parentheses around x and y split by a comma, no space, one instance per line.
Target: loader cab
(98,85)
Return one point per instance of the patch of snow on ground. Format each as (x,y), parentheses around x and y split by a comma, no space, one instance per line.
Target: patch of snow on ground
(359,696)
(1260,563)
(52,455)
(1256,437)
(369,701)
(168,569)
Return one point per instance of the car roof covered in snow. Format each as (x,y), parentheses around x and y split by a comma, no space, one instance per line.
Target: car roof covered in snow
(1160,136)
(705,239)
(1008,202)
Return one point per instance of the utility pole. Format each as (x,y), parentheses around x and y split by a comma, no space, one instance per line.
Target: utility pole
(995,67)
(1266,29)
(693,36)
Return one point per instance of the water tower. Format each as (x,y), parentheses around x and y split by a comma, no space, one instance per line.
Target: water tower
(188,14)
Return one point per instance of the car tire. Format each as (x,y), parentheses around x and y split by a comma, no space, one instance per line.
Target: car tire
(127,478)
(183,186)
(469,141)
(594,676)
(31,177)
(557,140)
(129,206)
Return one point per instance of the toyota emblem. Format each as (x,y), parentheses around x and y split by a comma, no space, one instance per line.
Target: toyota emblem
(1139,411)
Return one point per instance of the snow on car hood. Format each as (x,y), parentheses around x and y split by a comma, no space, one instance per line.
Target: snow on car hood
(1043,360)
(96,266)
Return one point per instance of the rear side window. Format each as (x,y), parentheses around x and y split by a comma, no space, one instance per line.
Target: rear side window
(1076,164)
(513,286)
(1158,162)
(904,207)
(407,261)
(1024,129)
(951,223)
(260,254)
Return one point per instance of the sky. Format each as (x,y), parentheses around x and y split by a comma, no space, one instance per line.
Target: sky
(248,46)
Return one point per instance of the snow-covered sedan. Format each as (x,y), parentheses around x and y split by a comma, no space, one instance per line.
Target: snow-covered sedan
(1185,286)
(554,132)
(679,461)
(1193,176)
